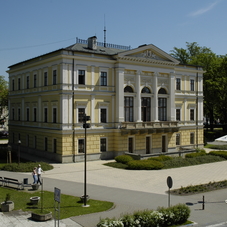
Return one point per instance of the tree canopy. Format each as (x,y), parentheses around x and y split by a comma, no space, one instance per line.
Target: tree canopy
(4,92)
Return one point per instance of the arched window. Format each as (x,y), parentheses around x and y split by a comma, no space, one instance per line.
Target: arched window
(128,89)
(146,90)
(162,91)
(162,105)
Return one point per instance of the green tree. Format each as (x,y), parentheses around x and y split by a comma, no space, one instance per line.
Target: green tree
(4,92)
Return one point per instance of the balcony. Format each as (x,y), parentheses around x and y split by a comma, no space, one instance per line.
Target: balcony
(149,127)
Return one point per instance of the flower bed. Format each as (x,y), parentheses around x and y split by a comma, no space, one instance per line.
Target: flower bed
(162,217)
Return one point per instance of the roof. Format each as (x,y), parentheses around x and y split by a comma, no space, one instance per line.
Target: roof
(100,50)
(78,47)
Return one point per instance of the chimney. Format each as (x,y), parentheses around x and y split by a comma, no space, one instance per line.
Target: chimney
(92,43)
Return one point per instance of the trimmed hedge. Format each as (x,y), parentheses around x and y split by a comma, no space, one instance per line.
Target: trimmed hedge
(222,154)
(123,159)
(162,217)
(193,155)
(144,165)
(180,162)
(26,167)
(160,158)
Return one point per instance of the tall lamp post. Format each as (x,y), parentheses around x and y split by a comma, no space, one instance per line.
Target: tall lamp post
(18,155)
(85,126)
(9,155)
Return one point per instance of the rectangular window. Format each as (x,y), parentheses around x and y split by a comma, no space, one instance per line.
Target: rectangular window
(18,83)
(81,76)
(81,112)
(130,145)
(103,115)
(103,144)
(27,114)
(81,145)
(27,82)
(162,109)
(46,144)
(54,115)
(164,143)
(145,109)
(18,114)
(177,138)
(128,104)
(45,79)
(178,117)
(192,85)
(192,115)
(35,80)
(13,85)
(45,114)
(55,145)
(178,84)
(54,77)
(148,144)
(34,114)
(192,138)
(103,78)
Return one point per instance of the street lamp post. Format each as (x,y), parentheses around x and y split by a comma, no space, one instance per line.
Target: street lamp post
(85,126)
(18,155)
(9,155)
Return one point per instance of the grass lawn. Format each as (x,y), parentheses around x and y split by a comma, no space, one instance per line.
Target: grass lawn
(69,206)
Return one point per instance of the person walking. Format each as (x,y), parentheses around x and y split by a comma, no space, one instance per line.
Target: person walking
(34,174)
(39,172)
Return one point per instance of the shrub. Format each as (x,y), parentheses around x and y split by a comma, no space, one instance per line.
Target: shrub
(222,154)
(160,158)
(144,165)
(193,155)
(180,162)
(26,167)
(163,217)
(123,159)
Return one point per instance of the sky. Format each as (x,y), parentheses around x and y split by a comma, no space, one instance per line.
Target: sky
(31,28)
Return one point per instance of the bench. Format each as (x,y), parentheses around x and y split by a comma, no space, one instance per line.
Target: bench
(13,181)
(2,180)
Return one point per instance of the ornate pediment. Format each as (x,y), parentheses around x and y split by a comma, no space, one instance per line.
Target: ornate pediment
(149,54)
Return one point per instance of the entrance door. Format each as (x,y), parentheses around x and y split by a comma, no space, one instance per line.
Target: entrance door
(148,145)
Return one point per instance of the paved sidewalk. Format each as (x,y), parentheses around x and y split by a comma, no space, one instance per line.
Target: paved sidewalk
(130,191)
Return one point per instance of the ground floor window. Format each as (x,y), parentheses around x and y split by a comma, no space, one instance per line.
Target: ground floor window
(192,138)
(163,143)
(177,138)
(130,145)
(103,144)
(81,146)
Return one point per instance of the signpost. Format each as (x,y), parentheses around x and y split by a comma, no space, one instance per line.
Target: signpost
(57,198)
(170,185)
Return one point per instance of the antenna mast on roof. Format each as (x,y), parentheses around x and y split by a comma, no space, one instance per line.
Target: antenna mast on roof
(104,31)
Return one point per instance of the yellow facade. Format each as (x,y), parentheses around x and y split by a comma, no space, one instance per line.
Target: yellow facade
(140,101)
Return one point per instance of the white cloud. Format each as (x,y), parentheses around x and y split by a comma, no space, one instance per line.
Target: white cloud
(203,10)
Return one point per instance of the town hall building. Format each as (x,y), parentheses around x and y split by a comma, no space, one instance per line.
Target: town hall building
(140,101)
